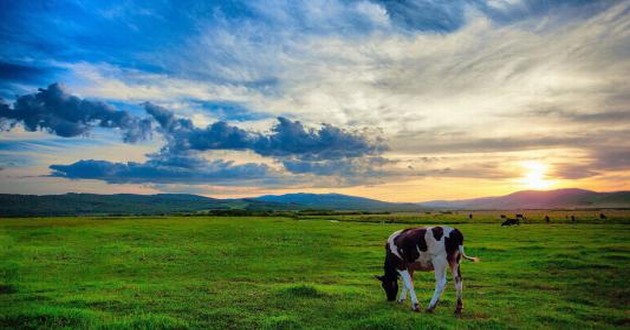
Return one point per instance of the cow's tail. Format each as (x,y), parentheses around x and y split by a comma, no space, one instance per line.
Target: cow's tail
(461,250)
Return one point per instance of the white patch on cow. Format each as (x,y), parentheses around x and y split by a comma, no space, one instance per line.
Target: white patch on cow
(408,282)
(403,294)
(392,246)
(439,263)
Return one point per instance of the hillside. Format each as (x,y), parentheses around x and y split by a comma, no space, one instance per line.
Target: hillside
(532,199)
(336,202)
(74,204)
(90,204)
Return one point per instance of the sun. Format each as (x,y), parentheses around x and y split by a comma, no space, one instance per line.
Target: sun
(535,175)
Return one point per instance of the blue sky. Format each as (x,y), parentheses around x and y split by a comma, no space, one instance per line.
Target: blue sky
(397,100)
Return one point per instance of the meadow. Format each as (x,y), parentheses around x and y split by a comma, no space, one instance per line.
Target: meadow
(311,272)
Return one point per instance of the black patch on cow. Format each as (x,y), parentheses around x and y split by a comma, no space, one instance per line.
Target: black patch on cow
(437,233)
(391,263)
(452,243)
(389,281)
(409,242)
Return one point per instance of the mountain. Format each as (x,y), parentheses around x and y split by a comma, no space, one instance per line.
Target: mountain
(335,202)
(90,204)
(73,204)
(534,199)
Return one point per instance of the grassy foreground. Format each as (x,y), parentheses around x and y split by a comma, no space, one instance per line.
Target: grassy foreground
(277,273)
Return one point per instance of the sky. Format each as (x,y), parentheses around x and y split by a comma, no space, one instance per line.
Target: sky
(401,101)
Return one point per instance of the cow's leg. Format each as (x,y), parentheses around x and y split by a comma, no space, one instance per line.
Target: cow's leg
(403,293)
(406,277)
(439,264)
(457,276)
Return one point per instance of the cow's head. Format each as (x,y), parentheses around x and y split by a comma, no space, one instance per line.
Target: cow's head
(390,285)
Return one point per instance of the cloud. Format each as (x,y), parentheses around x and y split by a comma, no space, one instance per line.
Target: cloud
(435,77)
(359,169)
(287,138)
(183,169)
(57,112)
(427,15)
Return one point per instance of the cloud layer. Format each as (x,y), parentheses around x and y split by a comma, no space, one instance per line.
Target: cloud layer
(57,112)
(476,87)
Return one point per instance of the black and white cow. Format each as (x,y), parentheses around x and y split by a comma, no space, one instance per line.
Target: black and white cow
(423,249)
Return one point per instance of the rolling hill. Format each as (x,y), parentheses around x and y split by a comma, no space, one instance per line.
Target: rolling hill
(336,202)
(74,204)
(533,199)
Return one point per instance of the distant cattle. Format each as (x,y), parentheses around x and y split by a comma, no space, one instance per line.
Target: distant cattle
(511,222)
(572,218)
(423,249)
(602,216)
(503,216)
(470,216)
(547,220)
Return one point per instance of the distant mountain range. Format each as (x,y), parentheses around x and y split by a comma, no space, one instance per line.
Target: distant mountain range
(533,199)
(336,202)
(128,204)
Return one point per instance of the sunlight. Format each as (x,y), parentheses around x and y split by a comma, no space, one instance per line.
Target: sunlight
(535,177)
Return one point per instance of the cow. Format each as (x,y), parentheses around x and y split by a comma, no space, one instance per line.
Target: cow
(547,219)
(510,222)
(602,216)
(503,216)
(423,249)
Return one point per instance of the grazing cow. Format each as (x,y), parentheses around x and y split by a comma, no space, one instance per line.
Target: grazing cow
(470,216)
(423,249)
(547,219)
(602,216)
(503,216)
(510,222)
(572,218)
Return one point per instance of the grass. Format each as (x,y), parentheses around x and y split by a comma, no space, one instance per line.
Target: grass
(280,273)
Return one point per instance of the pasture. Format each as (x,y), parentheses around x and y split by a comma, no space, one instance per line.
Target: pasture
(284,273)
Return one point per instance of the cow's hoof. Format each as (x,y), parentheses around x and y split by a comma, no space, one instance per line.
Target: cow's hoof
(416,308)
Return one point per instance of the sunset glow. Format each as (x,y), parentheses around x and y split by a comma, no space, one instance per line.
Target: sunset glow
(535,176)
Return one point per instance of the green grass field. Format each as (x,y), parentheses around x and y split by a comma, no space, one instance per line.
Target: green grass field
(282,273)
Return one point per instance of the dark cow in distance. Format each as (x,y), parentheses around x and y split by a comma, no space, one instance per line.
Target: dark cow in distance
(511,222)
(423,249)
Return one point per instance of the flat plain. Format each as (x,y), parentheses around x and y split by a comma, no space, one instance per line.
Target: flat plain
(311,272)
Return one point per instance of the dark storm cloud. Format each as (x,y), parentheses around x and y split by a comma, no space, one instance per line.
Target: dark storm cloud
(329,150)
(287,138)
(182,169)
(57,112)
